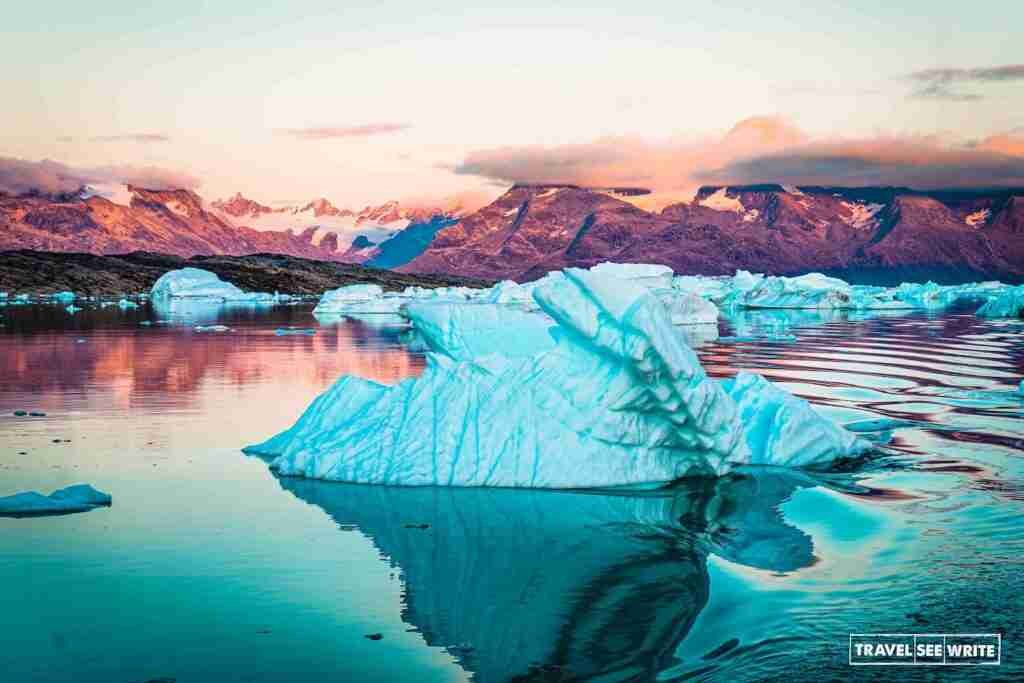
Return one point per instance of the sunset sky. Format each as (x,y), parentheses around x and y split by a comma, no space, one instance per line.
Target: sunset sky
(287,101)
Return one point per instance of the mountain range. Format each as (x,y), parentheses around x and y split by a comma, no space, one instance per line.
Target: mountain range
(179,222)
(873,234)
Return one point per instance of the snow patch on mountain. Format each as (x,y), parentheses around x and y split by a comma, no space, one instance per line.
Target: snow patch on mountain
(721,201)
(861,215)
(979,217)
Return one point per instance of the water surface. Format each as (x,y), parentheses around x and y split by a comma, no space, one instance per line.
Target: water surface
(208,568)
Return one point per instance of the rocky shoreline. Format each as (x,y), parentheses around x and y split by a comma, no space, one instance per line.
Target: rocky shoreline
(40,272)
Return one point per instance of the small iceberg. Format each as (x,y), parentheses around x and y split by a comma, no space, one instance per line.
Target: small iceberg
(63,297)
(355,299)
(211,328)
(78,498)
(649,275)
(195,283)
(73,308)
(599,390)
(688,309)
(125,304)
(294,331)
(1008,303)
(813,290)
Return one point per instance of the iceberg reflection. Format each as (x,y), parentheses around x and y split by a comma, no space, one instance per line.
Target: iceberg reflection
(543,585)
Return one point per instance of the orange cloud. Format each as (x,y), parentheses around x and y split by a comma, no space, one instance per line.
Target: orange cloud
(1010,143)
(756,150)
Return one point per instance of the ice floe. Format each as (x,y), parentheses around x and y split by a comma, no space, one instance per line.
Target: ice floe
(600,391)
(78,498)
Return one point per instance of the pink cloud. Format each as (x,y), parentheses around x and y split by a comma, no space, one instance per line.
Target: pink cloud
(20,176)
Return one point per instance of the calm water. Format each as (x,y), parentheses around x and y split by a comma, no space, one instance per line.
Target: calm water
(208,568)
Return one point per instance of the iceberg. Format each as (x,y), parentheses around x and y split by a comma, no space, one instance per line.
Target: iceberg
(64,297)
(125,304)
(813,290)
(1008,303)
(335,300)
(78,498)
(649,275)
(195,283)
(685,308)
(510,293)
(604,394)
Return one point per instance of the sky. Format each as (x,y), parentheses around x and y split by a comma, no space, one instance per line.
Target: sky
(288,101)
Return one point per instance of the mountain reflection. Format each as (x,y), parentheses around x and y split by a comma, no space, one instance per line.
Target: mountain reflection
(167,365)
(545,585)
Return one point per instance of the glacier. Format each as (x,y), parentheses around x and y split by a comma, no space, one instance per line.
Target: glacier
(598,390)
(77,498)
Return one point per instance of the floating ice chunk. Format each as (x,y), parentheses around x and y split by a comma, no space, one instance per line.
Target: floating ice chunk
(813,290)
(1006,304)
(78,498)
(343,299)
(647,274)
(211,328)
(441,293)
(197,283)
(297,331)
(126,304)
(509,292)
(688,309)
(714,289)
(72,308)
(64,297)
(616,398)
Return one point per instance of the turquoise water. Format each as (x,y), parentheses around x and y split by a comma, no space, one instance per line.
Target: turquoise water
(208,568)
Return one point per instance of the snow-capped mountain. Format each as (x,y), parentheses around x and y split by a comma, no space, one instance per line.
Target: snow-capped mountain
(873,231)
(877,232)
(328,226)
(121,219)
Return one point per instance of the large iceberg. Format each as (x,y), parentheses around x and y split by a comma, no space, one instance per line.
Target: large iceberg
(607,395)
(78,498)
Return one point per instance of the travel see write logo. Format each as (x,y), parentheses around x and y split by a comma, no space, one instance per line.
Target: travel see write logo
(925,649)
